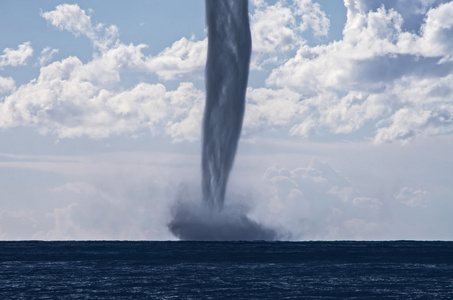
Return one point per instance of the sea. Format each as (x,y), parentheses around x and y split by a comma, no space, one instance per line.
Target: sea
(226,270)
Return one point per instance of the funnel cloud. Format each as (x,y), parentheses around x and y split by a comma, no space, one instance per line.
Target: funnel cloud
(227,68)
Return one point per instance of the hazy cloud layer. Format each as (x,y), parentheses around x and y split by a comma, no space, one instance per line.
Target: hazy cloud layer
(96,197)
(313,193)
(322,202)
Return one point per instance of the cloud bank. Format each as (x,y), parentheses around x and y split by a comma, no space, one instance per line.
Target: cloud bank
(388,79)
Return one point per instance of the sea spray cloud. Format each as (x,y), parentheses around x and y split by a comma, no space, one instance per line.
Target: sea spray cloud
(192,221)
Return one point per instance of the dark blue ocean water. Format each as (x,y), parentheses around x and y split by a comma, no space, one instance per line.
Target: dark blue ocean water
(226,270)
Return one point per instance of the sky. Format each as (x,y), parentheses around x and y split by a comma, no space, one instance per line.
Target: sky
(348,129)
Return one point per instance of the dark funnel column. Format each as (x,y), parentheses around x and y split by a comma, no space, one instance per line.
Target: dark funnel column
(227,68)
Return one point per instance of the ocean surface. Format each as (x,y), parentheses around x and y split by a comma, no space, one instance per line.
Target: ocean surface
(226,270)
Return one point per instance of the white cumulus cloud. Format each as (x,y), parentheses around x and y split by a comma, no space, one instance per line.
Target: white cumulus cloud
(7,84)
(374,75)
(279,27)
(70,98)
(184,59)
(16,57)
(72,18)
(46,55)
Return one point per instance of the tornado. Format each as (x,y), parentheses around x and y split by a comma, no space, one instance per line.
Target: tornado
(227,68)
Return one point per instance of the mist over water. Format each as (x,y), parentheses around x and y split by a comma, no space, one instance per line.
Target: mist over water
(227,68)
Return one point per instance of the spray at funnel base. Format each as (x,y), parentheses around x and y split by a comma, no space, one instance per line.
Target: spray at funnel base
(227,68)
(193,222)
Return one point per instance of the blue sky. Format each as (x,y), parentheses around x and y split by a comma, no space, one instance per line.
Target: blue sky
(347,132)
